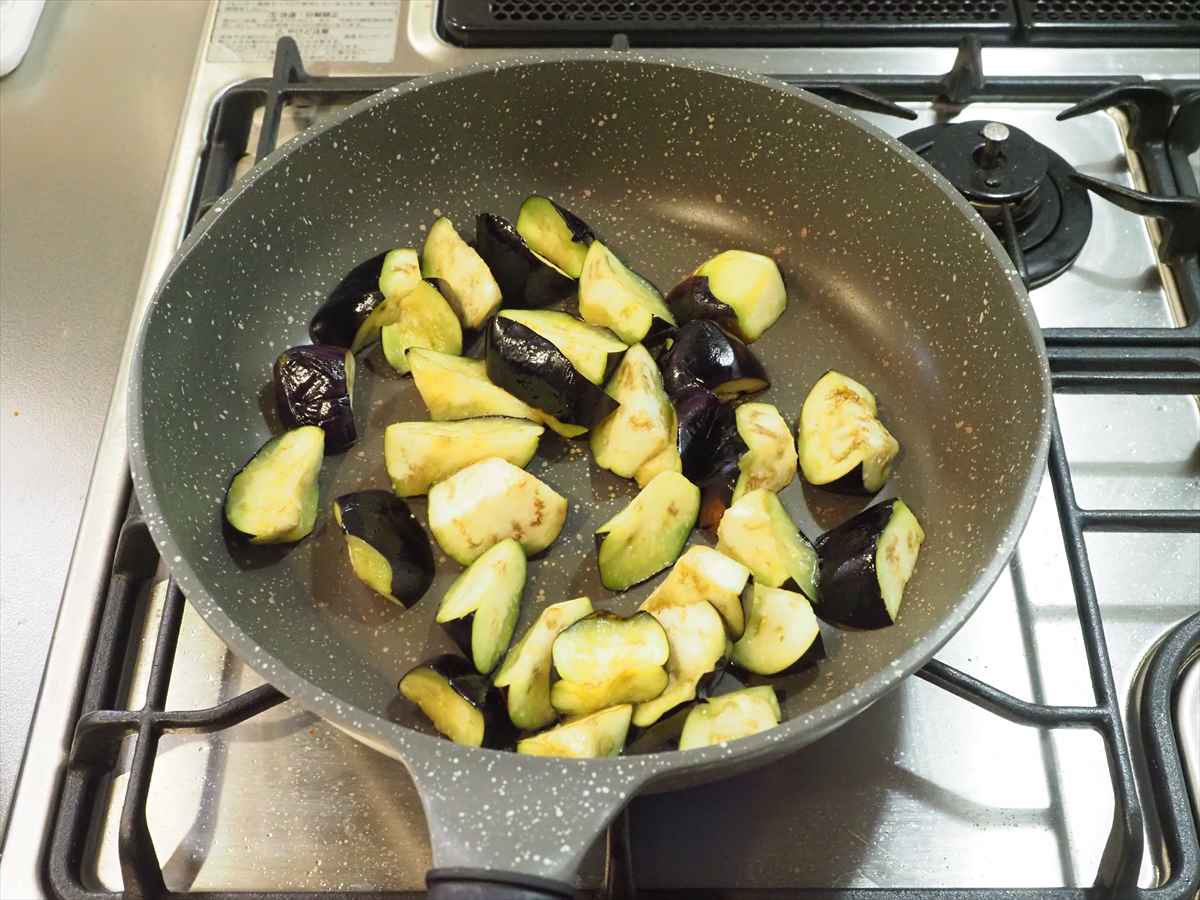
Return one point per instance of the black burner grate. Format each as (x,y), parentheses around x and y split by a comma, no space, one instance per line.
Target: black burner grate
(1105,361)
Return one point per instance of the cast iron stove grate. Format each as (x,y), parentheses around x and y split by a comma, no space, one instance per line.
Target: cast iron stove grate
(1120,361)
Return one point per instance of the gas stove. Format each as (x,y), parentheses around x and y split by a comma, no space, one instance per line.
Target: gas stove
(160,765)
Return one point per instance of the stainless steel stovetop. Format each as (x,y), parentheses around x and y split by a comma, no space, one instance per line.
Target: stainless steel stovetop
(921,790)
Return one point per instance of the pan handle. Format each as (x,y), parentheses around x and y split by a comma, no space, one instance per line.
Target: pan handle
(515,827)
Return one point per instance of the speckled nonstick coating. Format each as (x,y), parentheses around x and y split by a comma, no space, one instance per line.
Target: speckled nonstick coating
(892,279)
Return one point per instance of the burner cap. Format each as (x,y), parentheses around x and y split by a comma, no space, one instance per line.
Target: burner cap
(1001,169)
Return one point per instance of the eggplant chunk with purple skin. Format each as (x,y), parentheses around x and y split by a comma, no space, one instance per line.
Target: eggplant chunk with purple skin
(488,502)
(704,355)
(600,734)
(420,454)
(641,426)
(710,449)
(594,351)
(748,283)
(273,498)
(782,635)
(525,673)
(462,276)
(770,459)
(555,233)
(758,533)
(425,320)
(734,715)
(701,575)
(525,278)
(866,563)
(604,659)
(314,385)
(480,609)
(696,636)
(691,300)
(459,702)
(841,442)
(338,319)
(389,550)
(535,371)
(613,296)
(648,534)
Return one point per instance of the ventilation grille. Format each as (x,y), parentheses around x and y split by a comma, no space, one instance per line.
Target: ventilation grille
(1101,13)
(721,22)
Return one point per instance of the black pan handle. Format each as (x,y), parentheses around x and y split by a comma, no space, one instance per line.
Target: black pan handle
(482,884)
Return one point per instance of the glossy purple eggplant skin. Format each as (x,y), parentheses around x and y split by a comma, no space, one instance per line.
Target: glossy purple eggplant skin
(524,279)
(336,321)
(691,299)
(532,369)
(850,593)
(705,355)
(385,522)
(581,231)
(498,731)
(312,387)
(707,439)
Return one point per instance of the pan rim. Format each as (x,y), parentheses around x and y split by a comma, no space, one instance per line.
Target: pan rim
(410,746)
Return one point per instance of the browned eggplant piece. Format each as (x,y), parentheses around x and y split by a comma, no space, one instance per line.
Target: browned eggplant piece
(525,279)
(704,355)
(782,635)
(462,704)
(314,385)
(841,442)
(535,371)
(866,563)
(604,660)
(337,319)
(389,550)
(691,299)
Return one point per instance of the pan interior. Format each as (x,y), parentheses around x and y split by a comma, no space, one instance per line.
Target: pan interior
(888,282)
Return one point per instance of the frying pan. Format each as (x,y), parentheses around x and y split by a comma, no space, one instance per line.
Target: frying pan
(892,279)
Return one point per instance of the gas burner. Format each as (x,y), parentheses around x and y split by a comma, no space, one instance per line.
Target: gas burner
(1023,190)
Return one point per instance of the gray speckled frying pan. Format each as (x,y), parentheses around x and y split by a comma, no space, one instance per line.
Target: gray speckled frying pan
(892,278)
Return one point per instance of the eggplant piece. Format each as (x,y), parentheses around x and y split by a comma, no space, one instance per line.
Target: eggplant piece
(648,534)
(704,355)
(533,370)
(782,635)
(427,321)
(758,532)
(599,734)
(389,550)
(770,459)
(841,442)
(707,437)
(525,672)
(460,703)
(751,285)
(337,320)
(595,352)
(492,500)
(604,659)
(525,278)
(613,296)
(704,575)
(463,277)
(665,460)
(866,563)
(314,385)
(273,498)
(455,388)
(480,609)
(691,299)
(696,636)
(731,716)
(400,273)
(555,233)
(641,426)
(420,454)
